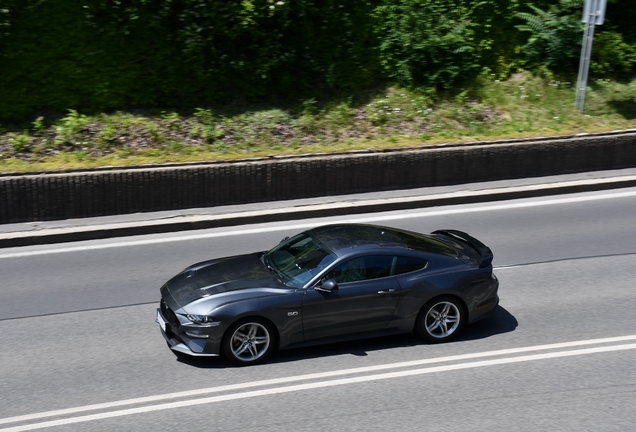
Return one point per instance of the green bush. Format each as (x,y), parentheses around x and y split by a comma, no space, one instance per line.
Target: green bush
(426,43)
(555,36)
(611,56)
(21,143)
(118,55)
(263,47)
(620,17)
(110,54)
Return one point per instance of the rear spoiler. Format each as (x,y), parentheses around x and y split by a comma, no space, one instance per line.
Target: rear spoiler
(484,251)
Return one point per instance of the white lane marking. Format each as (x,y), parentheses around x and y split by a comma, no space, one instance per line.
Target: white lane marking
(323,384)
(301,226)
(321,375)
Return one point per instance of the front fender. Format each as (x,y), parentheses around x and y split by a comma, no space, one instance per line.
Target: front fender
(284,312)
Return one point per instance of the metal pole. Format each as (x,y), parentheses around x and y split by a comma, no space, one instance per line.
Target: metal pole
(586,53)
(580,85)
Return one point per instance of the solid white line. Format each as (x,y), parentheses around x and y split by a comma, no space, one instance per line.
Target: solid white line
(506,267)
(301,226)
(321,375)
(323,384)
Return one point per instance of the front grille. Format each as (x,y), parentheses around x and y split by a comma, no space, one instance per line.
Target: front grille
(168,314)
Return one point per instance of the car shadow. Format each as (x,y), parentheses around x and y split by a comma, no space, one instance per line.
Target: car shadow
(499,322)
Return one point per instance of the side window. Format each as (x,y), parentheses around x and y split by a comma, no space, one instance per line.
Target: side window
(363,268)
(378,266)
(408,264)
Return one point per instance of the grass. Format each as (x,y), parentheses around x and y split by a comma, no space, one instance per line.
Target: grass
(522,106)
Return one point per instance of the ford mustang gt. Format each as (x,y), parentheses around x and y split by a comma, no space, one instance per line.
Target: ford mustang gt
(331,283)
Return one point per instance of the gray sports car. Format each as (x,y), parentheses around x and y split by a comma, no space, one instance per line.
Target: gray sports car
(335,282)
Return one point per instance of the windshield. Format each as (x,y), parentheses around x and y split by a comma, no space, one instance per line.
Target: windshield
(297,260)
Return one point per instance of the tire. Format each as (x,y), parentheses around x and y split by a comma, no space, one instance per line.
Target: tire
(441,319)
(249,341)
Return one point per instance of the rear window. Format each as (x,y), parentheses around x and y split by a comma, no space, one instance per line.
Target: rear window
(409,264)
(426,244)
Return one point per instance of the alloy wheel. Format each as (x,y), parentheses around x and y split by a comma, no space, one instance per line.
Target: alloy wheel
(442,320)
(250,342)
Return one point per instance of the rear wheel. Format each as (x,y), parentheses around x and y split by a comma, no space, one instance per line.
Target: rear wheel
(249,341)
(441,319)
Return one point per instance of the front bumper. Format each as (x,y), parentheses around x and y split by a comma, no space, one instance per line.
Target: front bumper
(204,342)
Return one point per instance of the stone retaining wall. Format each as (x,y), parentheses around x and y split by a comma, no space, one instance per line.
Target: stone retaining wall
(40,197)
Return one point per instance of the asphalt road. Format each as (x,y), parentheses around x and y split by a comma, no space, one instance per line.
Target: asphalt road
(77,333)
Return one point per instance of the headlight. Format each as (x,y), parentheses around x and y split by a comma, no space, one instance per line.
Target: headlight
(200,319)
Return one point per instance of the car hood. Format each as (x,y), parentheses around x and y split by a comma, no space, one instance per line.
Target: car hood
(221,275)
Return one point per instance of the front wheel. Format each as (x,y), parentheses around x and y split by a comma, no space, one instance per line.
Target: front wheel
(440,319)
(249,342)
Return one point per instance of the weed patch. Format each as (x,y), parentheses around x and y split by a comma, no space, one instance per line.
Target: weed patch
(522,106)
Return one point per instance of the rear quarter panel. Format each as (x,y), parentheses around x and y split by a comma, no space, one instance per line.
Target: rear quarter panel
(443,276)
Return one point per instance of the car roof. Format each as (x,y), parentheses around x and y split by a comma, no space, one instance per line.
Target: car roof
(342,238)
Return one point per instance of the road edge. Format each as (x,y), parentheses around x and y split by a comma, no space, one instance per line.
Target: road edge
(188,223)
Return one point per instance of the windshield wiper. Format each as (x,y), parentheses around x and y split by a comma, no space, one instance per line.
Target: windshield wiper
(278,274)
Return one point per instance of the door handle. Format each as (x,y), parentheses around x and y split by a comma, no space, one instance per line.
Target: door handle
(389,291)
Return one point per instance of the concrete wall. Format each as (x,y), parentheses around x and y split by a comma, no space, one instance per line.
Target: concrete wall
(105,192)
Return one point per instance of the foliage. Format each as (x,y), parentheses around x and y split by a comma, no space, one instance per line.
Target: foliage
(428,43)
(260,47)
(69,127)
(555,36)
(611,56)
(111,54)
(176,55)
(620,17)
(20,142)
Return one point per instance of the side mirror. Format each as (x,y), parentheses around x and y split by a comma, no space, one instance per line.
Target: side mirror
(284,239)
(327,286)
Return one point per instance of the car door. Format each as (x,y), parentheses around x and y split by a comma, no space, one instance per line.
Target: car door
(366,299)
